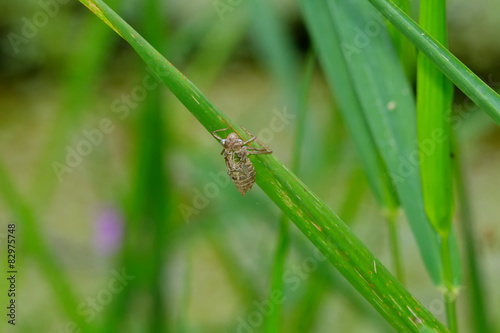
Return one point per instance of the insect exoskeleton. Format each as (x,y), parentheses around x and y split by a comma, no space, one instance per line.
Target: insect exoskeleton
(239,166)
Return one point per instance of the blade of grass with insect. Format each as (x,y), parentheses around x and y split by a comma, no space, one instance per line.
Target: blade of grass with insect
(434,96)
(468,82)
(323,228)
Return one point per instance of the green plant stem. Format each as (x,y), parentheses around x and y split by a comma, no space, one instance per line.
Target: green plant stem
(394,240)
(238,275)
(449,294)
(475,289)
(434,95)
(405,49)
(273,324)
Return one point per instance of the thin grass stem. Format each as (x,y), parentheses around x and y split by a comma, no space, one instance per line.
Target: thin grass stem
(449,295)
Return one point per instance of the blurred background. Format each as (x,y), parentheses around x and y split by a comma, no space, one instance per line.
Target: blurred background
(125,218)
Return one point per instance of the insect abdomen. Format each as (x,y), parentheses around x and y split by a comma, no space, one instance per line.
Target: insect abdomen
(244,177)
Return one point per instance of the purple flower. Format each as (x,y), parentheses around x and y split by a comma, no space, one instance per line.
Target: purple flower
(108,231)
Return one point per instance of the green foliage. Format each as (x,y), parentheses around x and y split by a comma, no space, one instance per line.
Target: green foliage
(159,159)
(325,230)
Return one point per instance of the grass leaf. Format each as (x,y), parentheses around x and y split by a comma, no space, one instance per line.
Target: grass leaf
(468,82)
(377,105)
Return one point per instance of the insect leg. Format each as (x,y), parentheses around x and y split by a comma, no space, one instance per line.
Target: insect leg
(247,132)
(219,130)
(256,151)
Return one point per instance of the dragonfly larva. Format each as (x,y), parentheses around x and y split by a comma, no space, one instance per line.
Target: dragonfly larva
(239,166)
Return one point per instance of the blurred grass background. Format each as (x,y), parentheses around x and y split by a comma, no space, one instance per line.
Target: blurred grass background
(204,273)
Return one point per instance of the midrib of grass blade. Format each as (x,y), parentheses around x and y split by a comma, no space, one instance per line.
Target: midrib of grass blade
(323,228)
(468,82)
(434,94)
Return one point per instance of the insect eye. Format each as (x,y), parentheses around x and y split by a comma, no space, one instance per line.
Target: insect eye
(223,141)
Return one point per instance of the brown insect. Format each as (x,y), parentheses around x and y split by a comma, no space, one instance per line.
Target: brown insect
(239,166)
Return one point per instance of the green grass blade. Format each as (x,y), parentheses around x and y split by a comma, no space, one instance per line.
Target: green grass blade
(276,49)
(331,58)
(478,91)
(434,95)
(474,289)
(406,51)
(273,322)
(280,57)
(380,98)
(149,211)
(323,228)
(217,46)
